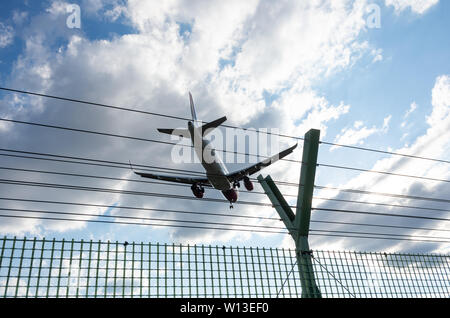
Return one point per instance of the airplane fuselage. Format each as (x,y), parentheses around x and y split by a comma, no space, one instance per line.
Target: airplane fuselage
(216,171)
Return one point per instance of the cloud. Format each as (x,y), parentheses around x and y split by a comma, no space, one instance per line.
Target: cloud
(412,109)
(358,133)
(377,55)
(152,69)
(416,6)
(435,143)
(6,35)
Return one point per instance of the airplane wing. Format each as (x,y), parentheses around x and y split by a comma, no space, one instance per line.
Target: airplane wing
(178,179)
(239,175)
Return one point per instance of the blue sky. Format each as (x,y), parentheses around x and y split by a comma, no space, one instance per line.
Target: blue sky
(285,65)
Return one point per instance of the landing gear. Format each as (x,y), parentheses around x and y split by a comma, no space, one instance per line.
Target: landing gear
(198,190)
(231,195)
(236,184)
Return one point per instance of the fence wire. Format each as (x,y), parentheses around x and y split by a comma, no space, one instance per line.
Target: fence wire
(68,268)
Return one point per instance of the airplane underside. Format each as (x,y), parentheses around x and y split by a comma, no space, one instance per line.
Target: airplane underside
(217,175)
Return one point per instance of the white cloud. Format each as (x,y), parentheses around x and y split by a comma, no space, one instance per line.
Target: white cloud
(377,55)
(411,109)
(416,6)
(440,101)
(280,48)
(435,143)
(19,17)
(6,35)
(358,133)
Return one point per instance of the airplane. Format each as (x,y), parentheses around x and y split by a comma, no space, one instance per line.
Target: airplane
(217,175)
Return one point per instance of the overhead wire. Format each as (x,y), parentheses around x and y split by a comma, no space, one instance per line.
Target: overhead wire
(383,204)
(220,150)
(381,172)
(356,191)
(176,196)
(226,215)
(322,232)
(88,131)
(5,181)
(228,126)
(139,111)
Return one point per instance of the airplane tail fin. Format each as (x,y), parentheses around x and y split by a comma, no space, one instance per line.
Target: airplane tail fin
(193,114)
(205,129)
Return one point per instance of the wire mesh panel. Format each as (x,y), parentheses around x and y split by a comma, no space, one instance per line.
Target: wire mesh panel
(61,268)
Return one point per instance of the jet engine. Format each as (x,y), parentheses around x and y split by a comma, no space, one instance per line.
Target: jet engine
(248,184)
(198,190)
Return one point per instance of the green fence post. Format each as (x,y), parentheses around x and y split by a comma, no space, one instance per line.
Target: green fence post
(79,269)
(61,258)
(49,281)
(105,294)
(31,267)
(9,268)
(89,269)
(124,262)
(98,268)
(20,266)
(298,223)
(40,267)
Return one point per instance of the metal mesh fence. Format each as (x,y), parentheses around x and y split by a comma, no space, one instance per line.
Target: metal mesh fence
(60,268)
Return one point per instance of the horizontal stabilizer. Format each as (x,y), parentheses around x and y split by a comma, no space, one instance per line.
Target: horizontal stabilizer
(212,125)
(176,132)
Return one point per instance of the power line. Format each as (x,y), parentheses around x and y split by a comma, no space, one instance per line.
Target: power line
(87,131)
(106,190)
(141,218)
(186,186)
(208,222)
(228,215)
(118,165)
(139,111)
(383,152)
(111,178)
(383,204)
(381,172)
(197,172)
(383,194)
(125,166)
(175,196)
(383,214)
(382,234)
(228,126)
(387,237)
(138,223)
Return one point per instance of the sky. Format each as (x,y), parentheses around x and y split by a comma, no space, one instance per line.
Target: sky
(371,74)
